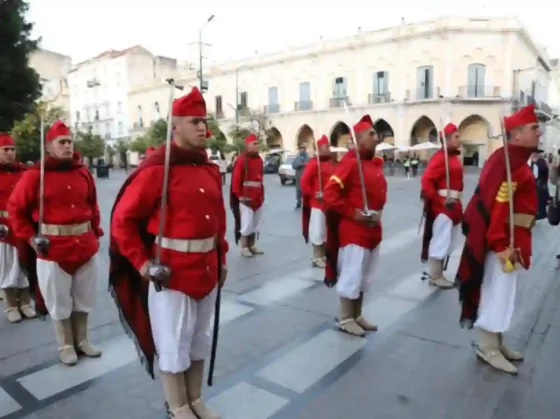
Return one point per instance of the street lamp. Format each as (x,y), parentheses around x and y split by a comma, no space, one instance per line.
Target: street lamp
(200,52)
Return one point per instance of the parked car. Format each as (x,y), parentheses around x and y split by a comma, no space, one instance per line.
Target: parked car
(286,172)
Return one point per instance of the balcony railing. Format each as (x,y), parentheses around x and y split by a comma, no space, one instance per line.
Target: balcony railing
(477,91)
(338,102)
(374,98)
(303,105)
(423,93)
(272,108)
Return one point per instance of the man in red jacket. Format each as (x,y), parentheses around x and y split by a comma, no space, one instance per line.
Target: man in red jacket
(493,258)
(247,196)
(67,270)
(442,207)
(312,214)
(13,280)
(354,235)
(174,321)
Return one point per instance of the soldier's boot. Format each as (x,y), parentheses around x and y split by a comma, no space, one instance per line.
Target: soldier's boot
(488,350)
(25,304)
(80,338)
(245,251)
(12,311)
(437,279)
(194,377)
(253,245)
(360,319)
(318,257)
(509,354)
(65,339)
(175,392)
(347,322)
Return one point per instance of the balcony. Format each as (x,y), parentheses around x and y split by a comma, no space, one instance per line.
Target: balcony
(303,105)
(338,102)
(425,93)
(374,98)
(272,108)
(476,91)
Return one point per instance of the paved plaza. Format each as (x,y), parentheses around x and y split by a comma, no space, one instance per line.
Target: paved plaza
(280,356)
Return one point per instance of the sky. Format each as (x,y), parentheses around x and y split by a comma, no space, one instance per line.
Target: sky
(85,28)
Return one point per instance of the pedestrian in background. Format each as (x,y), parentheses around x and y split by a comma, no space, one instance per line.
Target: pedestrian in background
(298,165)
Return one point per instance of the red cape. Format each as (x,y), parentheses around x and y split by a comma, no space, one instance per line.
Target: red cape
(127,287)
(476,220)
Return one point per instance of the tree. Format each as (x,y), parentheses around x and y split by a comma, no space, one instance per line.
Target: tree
(218,140)
(121,149)
(27,131)
(238,133)
(19,83)
(139,144)
(155,136)
(89,145)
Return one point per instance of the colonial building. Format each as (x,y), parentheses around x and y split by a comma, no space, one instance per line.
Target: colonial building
(411,79)
(99,89)
(52,68)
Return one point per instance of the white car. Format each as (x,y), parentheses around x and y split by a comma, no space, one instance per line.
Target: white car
(286,172)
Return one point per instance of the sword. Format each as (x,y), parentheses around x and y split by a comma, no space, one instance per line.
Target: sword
(508,266)
(215,334)
(158,272)
(367,212)
(40,241)
(319,194)
(446,158)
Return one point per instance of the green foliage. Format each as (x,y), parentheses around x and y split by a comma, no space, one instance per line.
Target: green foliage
(110,151)
(155,136)
(218,140)
(19,84)
(237,134)
(89,145)
(26,132)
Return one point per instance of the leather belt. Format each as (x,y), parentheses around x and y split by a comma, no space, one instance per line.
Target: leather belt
(189,245)
(252,184)
(523,220)
(4,214)
(452,193)
(65,229)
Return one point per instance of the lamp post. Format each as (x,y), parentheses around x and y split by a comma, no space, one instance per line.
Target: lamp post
(200,76)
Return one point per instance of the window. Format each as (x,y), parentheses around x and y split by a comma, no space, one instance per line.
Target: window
(96,114)
(476,76)
(243,101)
(156,111)
(77,116)
(273,95)
(218,106)
(107,129)
(339,88)
(305,92)
(107,110)
(140,119)
(119,107)
(120,128)
(381,83)
(425,79)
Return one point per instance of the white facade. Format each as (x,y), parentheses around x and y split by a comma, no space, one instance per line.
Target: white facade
(99,89)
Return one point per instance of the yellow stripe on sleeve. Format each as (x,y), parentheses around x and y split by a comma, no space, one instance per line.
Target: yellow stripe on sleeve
(503,192)
(337,180)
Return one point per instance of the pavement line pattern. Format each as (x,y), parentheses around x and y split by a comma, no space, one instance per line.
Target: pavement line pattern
(302,367)
(275,290)
(245,401)
(7,404)
(402,239)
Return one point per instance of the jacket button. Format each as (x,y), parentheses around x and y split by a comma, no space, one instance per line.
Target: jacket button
(201,190)
(69,187)
(207,217)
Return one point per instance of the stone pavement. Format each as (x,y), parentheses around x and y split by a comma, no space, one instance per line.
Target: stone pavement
(279,354)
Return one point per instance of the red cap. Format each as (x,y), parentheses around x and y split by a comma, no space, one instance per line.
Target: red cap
(192,104)
(251,139)
(6,140)
(58,130)
(208,133)
(150,150)
(523,116)
(367,118)
(449,129)
(323,141)
(362,126)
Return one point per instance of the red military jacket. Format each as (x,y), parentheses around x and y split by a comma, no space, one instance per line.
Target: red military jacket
(70,198)
(247,180)
(195,211)
(342,197)
(10,174)
(434,185)
(310,179)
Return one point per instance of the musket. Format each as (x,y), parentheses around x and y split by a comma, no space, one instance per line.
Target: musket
(508,266)
(446,160)
(366,211)
(158,272)
(319,194)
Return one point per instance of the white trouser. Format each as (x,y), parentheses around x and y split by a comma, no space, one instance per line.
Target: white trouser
(497,296)
(250,220)
(356,270)
(317,227)
(444,237)
(11,275)
(180,327)
(64,293)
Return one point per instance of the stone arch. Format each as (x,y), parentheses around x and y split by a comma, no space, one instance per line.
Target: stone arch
(274,138)
(475,137)
(340,134)
(305,136)
(384,131)
(423,130)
